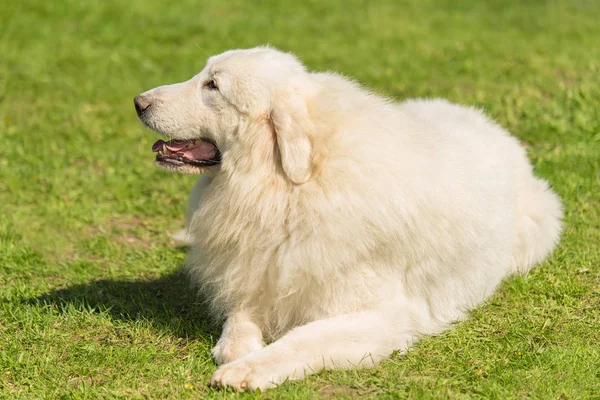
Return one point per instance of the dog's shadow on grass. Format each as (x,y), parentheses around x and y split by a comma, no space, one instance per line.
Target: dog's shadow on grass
(168,303)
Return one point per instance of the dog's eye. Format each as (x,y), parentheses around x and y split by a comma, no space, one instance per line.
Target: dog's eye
(211,84)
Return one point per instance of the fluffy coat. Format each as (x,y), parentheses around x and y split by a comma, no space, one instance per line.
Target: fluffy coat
(340,225)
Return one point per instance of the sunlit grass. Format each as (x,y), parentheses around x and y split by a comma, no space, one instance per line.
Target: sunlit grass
(91,304)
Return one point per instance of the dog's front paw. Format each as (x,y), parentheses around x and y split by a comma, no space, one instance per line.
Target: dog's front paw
(242,375)
(230,349)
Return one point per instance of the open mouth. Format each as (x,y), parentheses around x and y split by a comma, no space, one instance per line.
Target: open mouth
(190,156)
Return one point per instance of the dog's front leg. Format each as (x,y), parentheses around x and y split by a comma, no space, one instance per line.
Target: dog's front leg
(240,336)
(353,340)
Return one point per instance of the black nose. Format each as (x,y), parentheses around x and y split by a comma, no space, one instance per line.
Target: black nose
(141,104)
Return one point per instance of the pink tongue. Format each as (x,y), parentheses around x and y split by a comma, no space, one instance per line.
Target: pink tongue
(204,151)
(200,151)
(171,145)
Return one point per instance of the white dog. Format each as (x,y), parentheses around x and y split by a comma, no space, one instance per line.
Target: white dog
(337,225)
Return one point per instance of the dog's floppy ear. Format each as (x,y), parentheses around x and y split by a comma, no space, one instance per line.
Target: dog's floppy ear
(293,128)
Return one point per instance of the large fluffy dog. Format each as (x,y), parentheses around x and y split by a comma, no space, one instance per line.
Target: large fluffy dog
(337,225)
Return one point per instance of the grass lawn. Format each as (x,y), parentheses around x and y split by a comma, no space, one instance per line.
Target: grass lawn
(91,302)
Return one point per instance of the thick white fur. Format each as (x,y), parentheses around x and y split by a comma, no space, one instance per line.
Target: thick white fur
(342,226)
(185,237)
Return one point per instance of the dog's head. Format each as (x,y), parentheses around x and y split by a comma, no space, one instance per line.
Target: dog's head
(245,108)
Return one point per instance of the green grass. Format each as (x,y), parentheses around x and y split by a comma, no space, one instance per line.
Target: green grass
(91,303)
